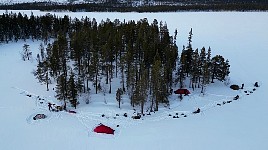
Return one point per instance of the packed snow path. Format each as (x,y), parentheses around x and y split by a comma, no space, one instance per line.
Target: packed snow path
(123,118)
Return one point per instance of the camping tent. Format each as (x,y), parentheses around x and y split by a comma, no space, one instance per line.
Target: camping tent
(182,91)
(104,129)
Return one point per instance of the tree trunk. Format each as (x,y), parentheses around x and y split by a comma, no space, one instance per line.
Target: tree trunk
(152,105)
(142,107)
(110,90)
(47,80)
(87,85)
(96,81)
(119,102)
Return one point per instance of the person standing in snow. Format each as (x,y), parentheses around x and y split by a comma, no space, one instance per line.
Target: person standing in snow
(49,106)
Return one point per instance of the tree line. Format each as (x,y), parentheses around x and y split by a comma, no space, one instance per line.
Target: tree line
(142,57)
(162,6)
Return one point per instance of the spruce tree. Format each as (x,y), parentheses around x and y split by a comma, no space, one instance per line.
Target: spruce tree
(61,88)
(220,68)
(188,54)
(204,64)
(42,73)
(156,83)
(119,94)
(195,73)
(26,52)
(72,90)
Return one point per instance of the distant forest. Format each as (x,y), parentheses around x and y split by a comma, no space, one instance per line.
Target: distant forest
(141,56)
(146,6)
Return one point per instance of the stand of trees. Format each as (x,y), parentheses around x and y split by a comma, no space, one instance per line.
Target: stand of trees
(143,55)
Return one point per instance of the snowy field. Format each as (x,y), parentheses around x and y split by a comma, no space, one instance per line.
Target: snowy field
(242,37)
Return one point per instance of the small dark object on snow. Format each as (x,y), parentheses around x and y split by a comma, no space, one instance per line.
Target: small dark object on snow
(242,86)
(149,114)
(117,115)
(246,91)
(180,96)
(72,111)
(247,94)
(182,114)
(102,115)
(177,113)
(136,117)
(39,116)
(41,102)
(170,91)
(169,115)
(57,108)
(229,101)
(256,84)
(236,97)
(185,116)
(234,87)
(49,106)
(254,89)
(182,91)
(219,104)
(223,102)
(174,116)
(117,125)
(251,92)
(197,111)
(125,114)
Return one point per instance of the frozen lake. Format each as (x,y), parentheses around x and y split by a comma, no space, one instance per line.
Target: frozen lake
(242,37)
(227,33)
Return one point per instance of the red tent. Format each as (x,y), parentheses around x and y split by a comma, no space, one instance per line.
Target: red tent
(182,91)
(104,129)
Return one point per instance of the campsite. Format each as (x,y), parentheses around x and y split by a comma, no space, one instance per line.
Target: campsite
(215,119)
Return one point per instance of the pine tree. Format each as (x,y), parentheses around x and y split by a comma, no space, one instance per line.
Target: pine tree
(156,83)
(220,68)
(26,53)
(42,73)
(119,94)
(77,51)
(54,61)
(195,73)
(61,88)
(95,71)
(204,64)
(72,90)
(188,54)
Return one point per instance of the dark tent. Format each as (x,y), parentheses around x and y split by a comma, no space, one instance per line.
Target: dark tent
(104,129)
(39,116)
(182,91)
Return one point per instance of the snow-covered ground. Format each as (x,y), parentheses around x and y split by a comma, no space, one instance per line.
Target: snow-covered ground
(240,125)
